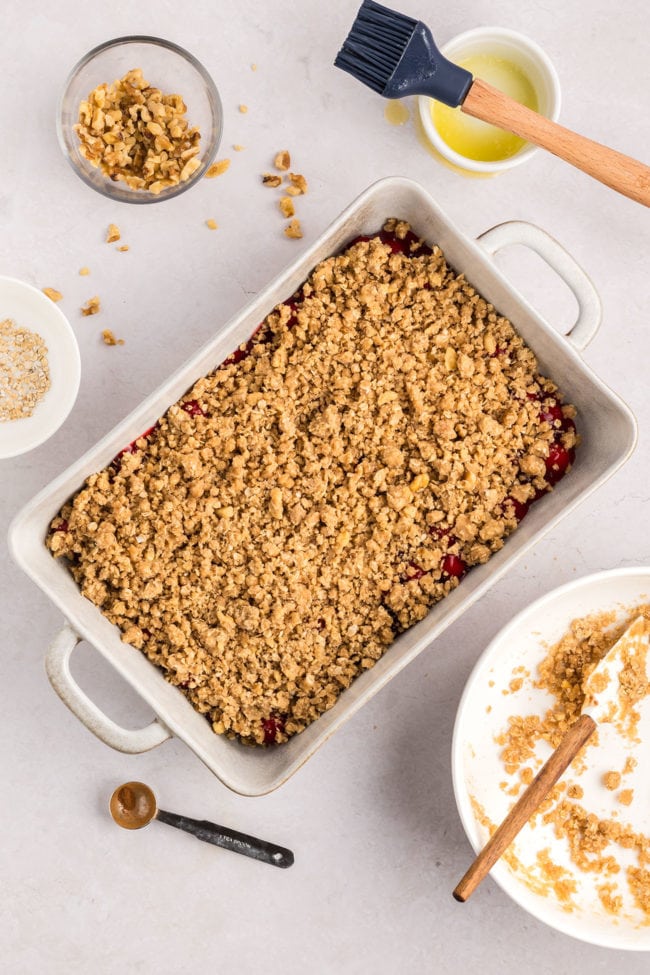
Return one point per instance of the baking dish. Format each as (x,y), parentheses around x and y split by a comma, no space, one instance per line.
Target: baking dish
(606,424)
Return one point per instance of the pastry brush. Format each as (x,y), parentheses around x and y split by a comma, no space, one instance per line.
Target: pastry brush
(397,56)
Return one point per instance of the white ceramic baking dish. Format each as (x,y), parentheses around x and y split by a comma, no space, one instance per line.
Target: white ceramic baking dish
(607,427)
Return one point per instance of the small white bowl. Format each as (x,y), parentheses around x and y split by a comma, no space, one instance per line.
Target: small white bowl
(30,308)
(499,42)
(489,699)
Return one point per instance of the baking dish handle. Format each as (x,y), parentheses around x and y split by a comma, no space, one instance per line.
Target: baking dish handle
(529,235)
(57,664)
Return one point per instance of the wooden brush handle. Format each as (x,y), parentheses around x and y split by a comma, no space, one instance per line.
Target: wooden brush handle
(620,172)
(526,805)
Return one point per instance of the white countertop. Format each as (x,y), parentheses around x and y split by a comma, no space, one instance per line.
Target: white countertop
(372,819)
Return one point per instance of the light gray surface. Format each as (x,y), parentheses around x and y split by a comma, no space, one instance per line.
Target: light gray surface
(371,818)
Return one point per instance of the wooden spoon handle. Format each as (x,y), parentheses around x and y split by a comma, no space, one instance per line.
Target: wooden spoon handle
(526,805)
(620,172)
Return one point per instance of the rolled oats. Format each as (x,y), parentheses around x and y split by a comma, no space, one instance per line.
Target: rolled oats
(24,371)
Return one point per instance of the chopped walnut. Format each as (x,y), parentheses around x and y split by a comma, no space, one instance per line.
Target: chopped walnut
(217,168)
(113,233)
(293,229)
(91,307)
(295,511)
(270,179)
(123,248)
(84,271)
(52,294)
(282,160)
(211,224)
(238,148)
(287,207)
(109,338)
(298,184)
(243,109)
(137,135)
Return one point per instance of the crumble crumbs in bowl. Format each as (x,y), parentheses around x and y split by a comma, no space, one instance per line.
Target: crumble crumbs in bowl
(383,431)
(140,119)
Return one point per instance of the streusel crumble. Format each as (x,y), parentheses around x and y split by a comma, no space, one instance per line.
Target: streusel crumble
(383,431)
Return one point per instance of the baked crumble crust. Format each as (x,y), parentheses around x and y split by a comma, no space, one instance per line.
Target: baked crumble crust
(304,503)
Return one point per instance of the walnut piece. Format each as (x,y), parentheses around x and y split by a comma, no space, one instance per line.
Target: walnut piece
(217,168)
(109,338)
(91,307)
(293,229)
(52,294)
(270,179)
(113,233)
(287,207)
(137,135)
(282,160)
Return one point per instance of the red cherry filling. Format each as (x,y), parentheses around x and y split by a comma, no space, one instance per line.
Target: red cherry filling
(271,726)
(193,408)
(551,412)
(520,508)
(414,571)
(557,462)
(133,448)
(63,527)
(453,565)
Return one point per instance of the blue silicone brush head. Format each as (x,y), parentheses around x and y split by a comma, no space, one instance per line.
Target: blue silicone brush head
(397,56)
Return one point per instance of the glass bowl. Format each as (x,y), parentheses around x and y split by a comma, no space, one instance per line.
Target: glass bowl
(165,66)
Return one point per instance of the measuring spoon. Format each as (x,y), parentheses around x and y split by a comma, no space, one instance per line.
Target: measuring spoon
(133,805)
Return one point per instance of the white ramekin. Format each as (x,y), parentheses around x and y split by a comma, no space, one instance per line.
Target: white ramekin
(527,55)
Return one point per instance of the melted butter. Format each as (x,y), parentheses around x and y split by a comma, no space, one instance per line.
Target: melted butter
(396,112)
(478,140)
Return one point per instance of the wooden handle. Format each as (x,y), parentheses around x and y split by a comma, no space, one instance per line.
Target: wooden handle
(526,805)
(620,172)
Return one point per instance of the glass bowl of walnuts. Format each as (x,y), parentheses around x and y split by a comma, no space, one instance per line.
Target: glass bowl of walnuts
(140,119)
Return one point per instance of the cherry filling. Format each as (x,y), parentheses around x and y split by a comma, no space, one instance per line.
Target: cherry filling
(133,448)
(271,726)
(453,565)
(193,408)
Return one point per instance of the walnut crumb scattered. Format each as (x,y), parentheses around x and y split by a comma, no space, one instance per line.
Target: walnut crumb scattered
(298,184)
(92,306)
(286,206)
(238,148)
(52,294)
(84,271)
(243,109)
(123,248)
(113,233)
(211,224)
(109,338)
(293,229)
(217,168)
(282,160)
(271,179)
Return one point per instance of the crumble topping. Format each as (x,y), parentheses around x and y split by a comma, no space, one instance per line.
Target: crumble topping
(383,431)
